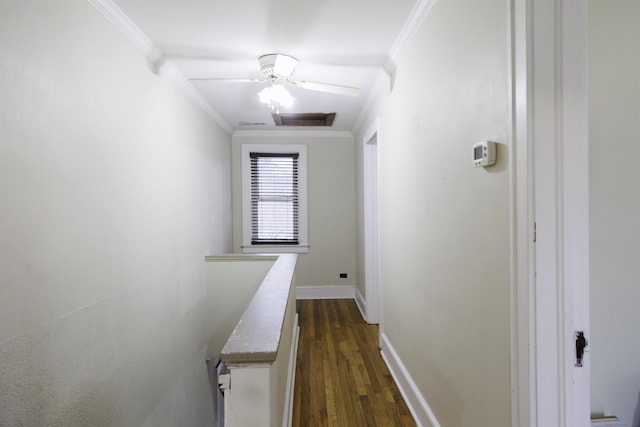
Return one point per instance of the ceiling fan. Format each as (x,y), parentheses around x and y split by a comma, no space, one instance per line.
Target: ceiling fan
(278,68)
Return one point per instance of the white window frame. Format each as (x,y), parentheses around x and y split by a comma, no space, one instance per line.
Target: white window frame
(303,240)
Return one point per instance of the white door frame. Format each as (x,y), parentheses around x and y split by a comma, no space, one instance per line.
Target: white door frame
(549,178)
(372,276)
(522,254)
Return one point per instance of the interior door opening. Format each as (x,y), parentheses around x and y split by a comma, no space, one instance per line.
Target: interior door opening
(371,227)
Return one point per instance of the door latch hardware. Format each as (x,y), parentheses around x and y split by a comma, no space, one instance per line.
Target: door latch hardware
(581,344)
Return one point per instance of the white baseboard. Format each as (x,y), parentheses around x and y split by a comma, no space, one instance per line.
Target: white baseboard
(422,413)
(291,376)
(361,303)
(325,292)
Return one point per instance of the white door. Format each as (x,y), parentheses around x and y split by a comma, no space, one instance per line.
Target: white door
(560,131)
(551,116)
(575,209)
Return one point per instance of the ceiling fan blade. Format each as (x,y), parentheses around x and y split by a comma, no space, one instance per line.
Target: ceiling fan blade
(208,79)
(325,87)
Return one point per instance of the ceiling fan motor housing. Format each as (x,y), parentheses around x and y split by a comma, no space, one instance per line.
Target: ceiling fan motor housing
(277,64)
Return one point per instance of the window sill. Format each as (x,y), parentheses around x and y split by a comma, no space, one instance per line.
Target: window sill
(275,249)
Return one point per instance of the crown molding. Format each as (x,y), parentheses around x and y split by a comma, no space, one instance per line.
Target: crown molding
(293,133)
(408,32)
(366,105)
(170,69)
(121,21)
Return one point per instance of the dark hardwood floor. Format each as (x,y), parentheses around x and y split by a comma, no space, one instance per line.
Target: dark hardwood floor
(341,379)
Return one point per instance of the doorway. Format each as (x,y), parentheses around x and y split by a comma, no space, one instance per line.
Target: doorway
(371,227)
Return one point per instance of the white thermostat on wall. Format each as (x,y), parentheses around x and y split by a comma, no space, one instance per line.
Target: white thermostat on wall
(484,153)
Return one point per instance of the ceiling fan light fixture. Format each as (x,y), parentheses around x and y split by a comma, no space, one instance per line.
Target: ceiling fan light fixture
(277,64)
(276,96)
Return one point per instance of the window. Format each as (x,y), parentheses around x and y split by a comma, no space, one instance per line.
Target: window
(274,198)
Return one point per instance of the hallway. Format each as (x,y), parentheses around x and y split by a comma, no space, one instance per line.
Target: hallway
(341,379)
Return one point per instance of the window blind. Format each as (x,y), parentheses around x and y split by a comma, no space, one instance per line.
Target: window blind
(274,198)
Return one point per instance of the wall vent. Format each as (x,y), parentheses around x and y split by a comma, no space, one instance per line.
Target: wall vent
(304,119)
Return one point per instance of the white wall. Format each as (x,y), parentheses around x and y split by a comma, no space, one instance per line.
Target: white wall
(113,188)
(231,284)
(614,151)
(331,203)
(444,223)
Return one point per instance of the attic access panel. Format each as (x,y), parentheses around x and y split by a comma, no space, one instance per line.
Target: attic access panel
(304,119)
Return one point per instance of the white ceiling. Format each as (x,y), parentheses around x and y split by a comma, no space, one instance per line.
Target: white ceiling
(337,41)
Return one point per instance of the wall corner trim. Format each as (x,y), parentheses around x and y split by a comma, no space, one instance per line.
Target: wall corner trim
(325,292)
(420,410)
(361,302)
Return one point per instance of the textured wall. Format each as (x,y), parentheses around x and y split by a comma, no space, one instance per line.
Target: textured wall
(113,188)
